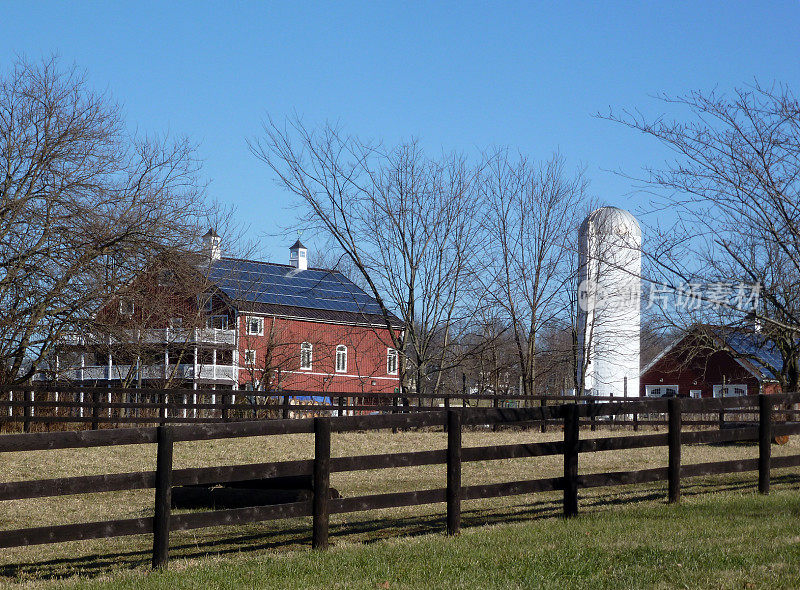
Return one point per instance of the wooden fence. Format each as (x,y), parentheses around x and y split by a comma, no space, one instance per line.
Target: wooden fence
(52,408)
(770,411)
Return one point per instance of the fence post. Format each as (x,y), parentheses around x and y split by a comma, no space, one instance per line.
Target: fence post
(764,442)
(592,417)
(322,482)
(163,497)
(674,443)
(453,472)
(636,421)
(341,405)
(395,404)
(95,410)
(26,411)
(543,405)
(224,412)
(285,412)
(722,415)
(571,432)
(446,408)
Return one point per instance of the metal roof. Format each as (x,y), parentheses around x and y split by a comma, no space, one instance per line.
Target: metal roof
(271,286)
(759,351)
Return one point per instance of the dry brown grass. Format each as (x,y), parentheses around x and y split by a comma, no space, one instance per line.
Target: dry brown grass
(96,556)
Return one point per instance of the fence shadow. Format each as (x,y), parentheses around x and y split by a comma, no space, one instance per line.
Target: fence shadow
(296,534)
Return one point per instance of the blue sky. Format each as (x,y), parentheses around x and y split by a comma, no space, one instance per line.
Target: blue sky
(460,75)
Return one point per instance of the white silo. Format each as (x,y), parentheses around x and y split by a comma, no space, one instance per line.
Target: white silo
(609,313)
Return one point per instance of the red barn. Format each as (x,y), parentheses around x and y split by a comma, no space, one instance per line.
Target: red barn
(265,326)
(712,361)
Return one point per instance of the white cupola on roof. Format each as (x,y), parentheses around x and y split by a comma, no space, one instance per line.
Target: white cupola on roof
(298,256)
(212,245)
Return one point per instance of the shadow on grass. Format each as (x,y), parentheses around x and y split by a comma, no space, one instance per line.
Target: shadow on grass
(296,533)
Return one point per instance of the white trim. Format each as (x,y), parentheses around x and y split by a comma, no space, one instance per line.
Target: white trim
(248,319)
(341,348)
(306,346)
(661,354)
(392,353)
(317,374)
(380,326)
(656,390)
(729,390)
(247,362)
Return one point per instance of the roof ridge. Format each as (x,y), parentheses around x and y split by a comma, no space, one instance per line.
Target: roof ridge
(233,258)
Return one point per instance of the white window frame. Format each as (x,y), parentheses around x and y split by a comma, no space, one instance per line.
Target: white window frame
(730,390)
(250,357)
(659,390)
(254,318)
(695,393)
(341,355)
(176,323)
(122,303)
(392,361)
(306,348)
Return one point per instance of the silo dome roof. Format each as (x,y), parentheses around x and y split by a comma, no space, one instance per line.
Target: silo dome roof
(611,220)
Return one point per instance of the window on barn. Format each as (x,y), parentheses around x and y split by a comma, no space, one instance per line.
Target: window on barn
(730,390)
(249,357)
(306,350)
(661,390)
(255,326)
(391,361)
(696,393)
(341,359)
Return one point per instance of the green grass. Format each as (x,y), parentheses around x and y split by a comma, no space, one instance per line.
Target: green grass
(621,521)
(723,540)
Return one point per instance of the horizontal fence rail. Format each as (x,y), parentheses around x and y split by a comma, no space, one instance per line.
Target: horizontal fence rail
(769,416)
(50,407)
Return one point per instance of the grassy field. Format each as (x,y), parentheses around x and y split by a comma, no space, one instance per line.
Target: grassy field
(722,540)
(630,521)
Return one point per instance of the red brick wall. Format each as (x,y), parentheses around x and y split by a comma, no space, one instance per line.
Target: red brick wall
(366,356)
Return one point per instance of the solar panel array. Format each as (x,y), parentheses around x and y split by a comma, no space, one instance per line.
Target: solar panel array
(751,345)
(264,282)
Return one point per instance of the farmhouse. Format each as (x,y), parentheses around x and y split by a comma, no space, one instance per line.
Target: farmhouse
(713,361)
(250,325)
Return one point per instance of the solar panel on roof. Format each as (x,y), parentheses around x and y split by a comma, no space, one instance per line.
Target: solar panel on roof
(261,282)
(757,350)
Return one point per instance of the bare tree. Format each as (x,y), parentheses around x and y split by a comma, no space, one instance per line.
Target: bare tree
(533,211)
(79,196)
(733,185)
(408,225)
